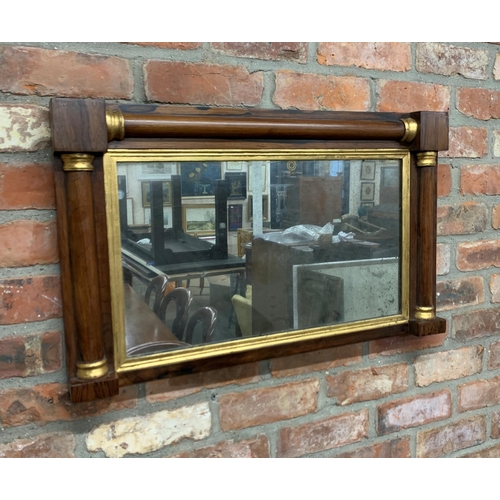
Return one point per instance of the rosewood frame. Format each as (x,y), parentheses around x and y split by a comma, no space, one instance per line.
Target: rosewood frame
(84,129)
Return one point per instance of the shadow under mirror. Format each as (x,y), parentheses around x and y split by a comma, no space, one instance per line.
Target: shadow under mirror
(217,251)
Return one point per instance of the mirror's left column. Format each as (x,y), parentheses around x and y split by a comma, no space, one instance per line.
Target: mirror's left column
(79,139)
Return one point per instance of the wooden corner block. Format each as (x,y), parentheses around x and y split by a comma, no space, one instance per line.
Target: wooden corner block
(433,131)
(422,328)
(78,125)
(89,390)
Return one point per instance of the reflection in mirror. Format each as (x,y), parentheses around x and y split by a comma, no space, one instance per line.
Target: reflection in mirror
(251,248)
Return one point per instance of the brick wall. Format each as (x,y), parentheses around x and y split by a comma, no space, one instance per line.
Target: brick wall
(429,397)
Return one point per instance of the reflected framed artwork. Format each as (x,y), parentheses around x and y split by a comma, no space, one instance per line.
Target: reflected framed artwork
(368,171)
(199,219)
(198,178)
(235,217)
(146,194)
(237,185)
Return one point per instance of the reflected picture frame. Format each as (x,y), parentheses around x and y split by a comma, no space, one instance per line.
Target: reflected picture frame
(367,191)
(146,193)
(237,185)
(368,171)
(198,178)
(235,217)
(198,219)
(265,207)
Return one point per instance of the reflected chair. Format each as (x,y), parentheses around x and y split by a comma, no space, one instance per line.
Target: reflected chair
(242,306)
(154,347)
(157,286)
(182,298)
(207,316)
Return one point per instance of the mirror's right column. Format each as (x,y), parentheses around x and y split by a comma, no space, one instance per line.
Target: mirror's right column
(432,137)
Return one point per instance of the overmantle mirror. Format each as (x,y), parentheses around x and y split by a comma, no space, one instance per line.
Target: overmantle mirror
(195,238)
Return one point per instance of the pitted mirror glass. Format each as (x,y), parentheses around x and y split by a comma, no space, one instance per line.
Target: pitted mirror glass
(220,251)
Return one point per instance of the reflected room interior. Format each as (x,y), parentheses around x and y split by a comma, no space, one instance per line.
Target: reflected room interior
(214,251)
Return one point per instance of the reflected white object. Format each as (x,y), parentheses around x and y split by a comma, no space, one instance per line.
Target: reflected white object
(144,241)
(342,237)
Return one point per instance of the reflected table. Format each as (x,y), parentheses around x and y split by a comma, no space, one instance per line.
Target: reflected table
(145,333)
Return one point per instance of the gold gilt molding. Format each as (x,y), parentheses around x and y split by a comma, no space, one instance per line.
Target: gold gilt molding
(77,162)
(115,123)
(411,128)
(424,312)
(92,370)
(427,159)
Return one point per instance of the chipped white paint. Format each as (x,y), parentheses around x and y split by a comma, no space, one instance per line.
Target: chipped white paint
(23,128)
(496,147)
(147,433)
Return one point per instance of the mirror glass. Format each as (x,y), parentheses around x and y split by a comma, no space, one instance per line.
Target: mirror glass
(215,250)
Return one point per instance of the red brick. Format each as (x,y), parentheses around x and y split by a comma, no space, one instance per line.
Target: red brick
(53,445)
(12,357)
(405,97)
(395,448)
(323,434)
(466,218)
(269,404)
(383,56)
(467,142)
(457,293)
(51,403)
(273,51)
(169,45)
(476,255)
(495,425)
(413,412)
(476,324)
(495,217)
(493,452)
(32,70)
(451,60)
(444,180)
(443,257)
(308,362)
(479,394)
(51,351)
(35,298)
(480,179)
(448,365)
(452,437)
(372,383)
(30,355)
(319,92)
(404,343)
(24,127)
(479,103)
(177,387)
(24,186)
(494,359)
(496,69)
(250,448)
(28,242)
(188,83)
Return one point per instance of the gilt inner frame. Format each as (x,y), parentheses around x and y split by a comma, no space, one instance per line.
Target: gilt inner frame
(195,353)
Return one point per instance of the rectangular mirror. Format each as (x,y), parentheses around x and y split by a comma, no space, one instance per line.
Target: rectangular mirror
(212,252)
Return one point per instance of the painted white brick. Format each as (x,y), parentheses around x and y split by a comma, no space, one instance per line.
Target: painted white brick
(23,128)
(147,433)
